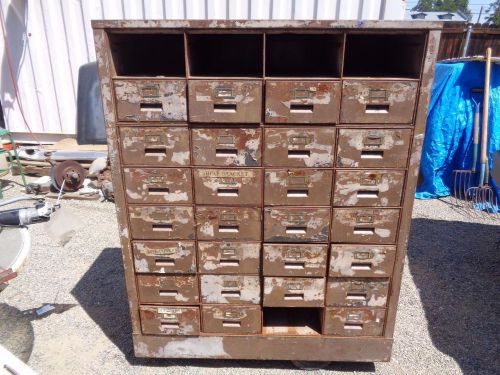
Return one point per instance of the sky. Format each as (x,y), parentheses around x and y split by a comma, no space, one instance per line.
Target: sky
(474,6)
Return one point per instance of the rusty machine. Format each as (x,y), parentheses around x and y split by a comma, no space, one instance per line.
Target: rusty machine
(264,174)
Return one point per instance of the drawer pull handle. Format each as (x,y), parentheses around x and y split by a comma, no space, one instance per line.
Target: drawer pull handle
(353,326)
(222,192)
(369,154)
(377,108)
(229,228)
(162,227)
(356,296)
(224,107)
(229,262)
(298,154)
(297,193)
(301,108)
(155,151)
(165,262)
(231,293)
(158,190)
(151,107)
(225,152)
(364,231)
(231,324)
(296,230)
(294,296)
(361,266)
(367,194)
(168,293)
(295,265)
(169,325)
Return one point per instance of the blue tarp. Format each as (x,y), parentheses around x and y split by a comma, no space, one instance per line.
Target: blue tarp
(448,138)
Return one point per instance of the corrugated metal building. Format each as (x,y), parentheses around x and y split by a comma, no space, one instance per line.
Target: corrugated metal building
(48,40)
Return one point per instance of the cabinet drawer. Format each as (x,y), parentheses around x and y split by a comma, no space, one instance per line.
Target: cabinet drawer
(295,260)
(229,257)
(368,188)
(378,102)
(302,102)
(150,100)
(161,223)
(230,289)
(363,148)
(231,319)
(362,260)
(158,185)
(155,146)
(227,147)
(296,224)
(228,186)
(370,226)
(228,223)
(164,256)
(297,187)
(299,147)
(225,101)
(354,322)
(170,320)
(167,289)
(357,292)
(294,292)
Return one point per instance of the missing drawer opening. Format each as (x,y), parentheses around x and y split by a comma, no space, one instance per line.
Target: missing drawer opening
(296,230)
(301,108)
(229,262)
(369,154)
(377,108)
(295,265)
(224,107)
(225,152)
(165,262)
(299,154)
(297,321)
(151,107)
(367,194)
(168,293)
(364,231)
(361,266)
(224,192)
(297,193)
(231,324)
(162,227)
(231,293)
(155,151)
(229,228)
(158,190)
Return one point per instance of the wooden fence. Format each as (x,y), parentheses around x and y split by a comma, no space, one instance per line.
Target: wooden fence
(453,38)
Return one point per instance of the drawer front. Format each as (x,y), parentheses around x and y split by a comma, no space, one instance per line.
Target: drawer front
(230,289)
(164,256)
(378,102)
(297,187)
(299,102)
(300,147)
(227,147)
(232,319)
(296,224)
(357,292)
(225,101)
(295,260)
(354,322)
(228,186)
(150,100)
(362,260)
(229,257)
(158,185)
(228,223)
(155,146)
(368,188)
(170,320)
(167,289)
(364,148)
(161,223)
(370,226)
(294,292)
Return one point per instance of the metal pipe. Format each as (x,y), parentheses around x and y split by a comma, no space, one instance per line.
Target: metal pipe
(467,40)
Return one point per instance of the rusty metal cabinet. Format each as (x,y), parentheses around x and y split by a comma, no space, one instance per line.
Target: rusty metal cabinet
(264,176)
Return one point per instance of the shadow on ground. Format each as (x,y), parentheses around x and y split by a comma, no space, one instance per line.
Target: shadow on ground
(101,293)
(455,266)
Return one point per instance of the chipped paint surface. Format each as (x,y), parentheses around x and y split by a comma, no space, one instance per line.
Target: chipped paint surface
(294,292)
(229,257)
(230,289)
(357,292)
(361,260)
(162,222)
(170,320)
(164,256)
(354,322)
(228,223)
(295,259)
(232,319)
(167,289)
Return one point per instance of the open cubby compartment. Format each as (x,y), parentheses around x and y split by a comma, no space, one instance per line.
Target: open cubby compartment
(304,55)
(288,321)
(225,55)
(148,55)
(384,55)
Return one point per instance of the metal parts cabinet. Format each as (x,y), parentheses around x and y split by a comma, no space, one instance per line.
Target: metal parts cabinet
(264,174)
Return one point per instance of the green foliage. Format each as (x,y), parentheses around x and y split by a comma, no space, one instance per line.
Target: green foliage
(444,6)
(494,14)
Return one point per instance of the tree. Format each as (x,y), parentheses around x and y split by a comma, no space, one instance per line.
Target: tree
(444,6)
(494,14)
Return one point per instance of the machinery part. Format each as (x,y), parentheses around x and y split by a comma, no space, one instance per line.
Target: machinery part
(104,179)
(69,171)
(25,216)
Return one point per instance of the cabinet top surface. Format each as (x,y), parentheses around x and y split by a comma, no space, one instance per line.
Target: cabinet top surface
(264,24)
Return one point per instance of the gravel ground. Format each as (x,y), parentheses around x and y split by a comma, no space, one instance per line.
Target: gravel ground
(447,320)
